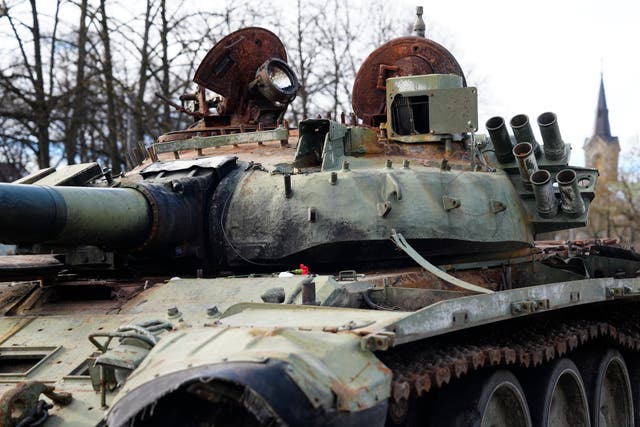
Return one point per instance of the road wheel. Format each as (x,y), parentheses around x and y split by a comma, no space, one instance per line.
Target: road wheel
(608,388)
(633,365)
(556,395)
(492,399)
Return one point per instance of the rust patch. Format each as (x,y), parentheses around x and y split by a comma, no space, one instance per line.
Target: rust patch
(364,368)
(383,368)
(418,278)
(258,332)
(346,394)
(403,56)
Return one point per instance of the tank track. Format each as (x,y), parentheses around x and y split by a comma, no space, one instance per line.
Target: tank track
(425,366)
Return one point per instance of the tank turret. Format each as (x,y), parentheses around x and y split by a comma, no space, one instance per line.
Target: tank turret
(452,193)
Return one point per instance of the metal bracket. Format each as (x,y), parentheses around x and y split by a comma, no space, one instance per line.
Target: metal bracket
(497,206)
(383,209)
(529,306)
(460,318)
(619,292)
(312,214)
(380,341)
(383,72)
(347,275)
(201,142)
(450,203)
(391,188)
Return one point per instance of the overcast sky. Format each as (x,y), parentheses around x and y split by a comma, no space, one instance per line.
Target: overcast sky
(547,55)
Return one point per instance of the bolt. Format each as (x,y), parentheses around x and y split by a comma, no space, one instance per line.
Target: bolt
(177,186)
(405,164)
(107,175)
(308,293)
(345,165)
(173,312)
(288,192)
(334,178)
(389,163)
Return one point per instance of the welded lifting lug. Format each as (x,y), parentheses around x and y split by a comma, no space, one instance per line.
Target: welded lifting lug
(383,209)
(450,203)
(347,276)
(497,206)
(619,292)
(380,341)
(529,306)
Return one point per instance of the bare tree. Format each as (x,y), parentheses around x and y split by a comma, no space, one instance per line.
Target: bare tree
(29,85)
(94,99)
(303,52)
(165,125)
(112,131)
(78,114)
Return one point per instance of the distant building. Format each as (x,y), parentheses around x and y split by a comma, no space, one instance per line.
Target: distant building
(602,150)
(608,215)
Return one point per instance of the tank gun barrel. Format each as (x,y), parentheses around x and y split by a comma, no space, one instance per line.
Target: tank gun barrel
(116,217)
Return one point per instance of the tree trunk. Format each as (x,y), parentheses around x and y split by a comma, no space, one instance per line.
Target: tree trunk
(143,77)
(302,93)
(165,126)
(112,131)
(78,116)
(41,111)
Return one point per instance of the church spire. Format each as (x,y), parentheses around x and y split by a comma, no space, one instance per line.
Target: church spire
(602,128)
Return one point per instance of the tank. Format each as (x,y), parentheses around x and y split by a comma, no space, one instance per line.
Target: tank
(380,268)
